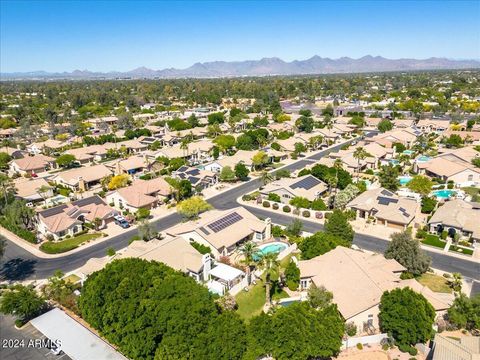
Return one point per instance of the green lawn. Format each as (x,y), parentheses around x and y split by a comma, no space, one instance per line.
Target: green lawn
(459,250)
(434,240)
(435,283)
(72,278)
(57,247)
(251,303)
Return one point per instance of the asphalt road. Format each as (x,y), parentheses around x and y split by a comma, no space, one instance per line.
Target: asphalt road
(19,264)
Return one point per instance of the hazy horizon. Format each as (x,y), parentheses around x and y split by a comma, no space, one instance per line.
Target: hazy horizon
(120,36)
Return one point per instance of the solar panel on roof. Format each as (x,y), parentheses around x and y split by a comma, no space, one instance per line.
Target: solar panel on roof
(307,183)
(224,222)
(193,179)
(194,172)
(386,201)
(386,193)
(402,209)
(204,230)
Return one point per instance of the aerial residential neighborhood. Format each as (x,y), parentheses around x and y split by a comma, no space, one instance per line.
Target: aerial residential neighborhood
(280,208)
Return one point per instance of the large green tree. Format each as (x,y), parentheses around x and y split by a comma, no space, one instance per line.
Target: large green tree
(301,332)
(407,316)
(151,311)
(337,225)
(22,302)
(407,252)
(388,177)
(320,243)
(465,312)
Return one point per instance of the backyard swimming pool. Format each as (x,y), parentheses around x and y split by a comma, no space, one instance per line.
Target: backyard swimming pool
(408,152)
(423,158)
(275,247)
(444,194)
(404,180)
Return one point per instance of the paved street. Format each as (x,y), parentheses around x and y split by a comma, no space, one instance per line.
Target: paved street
(19,264)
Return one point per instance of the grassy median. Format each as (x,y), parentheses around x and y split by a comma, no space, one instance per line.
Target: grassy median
(58,247)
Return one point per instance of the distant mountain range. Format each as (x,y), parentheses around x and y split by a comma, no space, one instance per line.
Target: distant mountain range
(264,67)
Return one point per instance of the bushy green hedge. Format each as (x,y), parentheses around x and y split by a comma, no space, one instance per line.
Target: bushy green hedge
(20,232)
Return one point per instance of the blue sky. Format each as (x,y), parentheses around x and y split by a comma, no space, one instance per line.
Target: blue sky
(123,35)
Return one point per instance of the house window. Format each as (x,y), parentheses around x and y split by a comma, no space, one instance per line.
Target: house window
(470,177)
(258,235)
(303,284)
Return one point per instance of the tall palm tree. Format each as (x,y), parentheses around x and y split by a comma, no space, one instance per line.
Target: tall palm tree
(6,184)
(184,146)
(266,177)
(270,264)
(359,154)
(248,250)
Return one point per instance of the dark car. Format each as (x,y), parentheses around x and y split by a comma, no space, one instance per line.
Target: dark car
(122,222)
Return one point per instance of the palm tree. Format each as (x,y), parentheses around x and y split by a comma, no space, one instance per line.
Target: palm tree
(184,146)
(359,154)
(270,264)
(6,184)
(266,177)
(248,250)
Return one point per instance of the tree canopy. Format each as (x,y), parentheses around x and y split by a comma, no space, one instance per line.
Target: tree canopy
(407,316)
(151,311)
(320,243)
(337,225)
(301,332)
(407,252)
(192,207)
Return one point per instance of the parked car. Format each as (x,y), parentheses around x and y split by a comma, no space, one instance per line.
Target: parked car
(121,221)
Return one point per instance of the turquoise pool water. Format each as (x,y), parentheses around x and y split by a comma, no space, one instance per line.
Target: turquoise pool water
(394,162)
(444,194)
(288,303)
(275,248)
(408,152)
(423,158)
(404,180)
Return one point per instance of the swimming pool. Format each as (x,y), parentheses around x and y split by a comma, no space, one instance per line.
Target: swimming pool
(404,180)
(423,158)
(394,161)
(275,247)
(408,152)
(444,194)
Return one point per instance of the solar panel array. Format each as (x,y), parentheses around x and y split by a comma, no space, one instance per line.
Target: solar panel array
(226,221)
(307,183)
(386,201)
(386,193)
(204,230)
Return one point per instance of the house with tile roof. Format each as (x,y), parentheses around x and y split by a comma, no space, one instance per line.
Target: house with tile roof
(450,348)
(145,194)
(357,281)
(68,219)
(461,216)
(385,208)
(83,178)
(31,165)
(307,186)
(224,231)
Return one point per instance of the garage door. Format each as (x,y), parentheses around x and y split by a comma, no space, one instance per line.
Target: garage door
(395,226)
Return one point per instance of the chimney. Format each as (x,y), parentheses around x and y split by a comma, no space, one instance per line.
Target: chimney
(207,266)
(81,184)
(118,171)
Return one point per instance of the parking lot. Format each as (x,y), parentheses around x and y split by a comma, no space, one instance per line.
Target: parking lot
(20,344)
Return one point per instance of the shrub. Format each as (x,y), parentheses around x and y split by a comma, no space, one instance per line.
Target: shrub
(359,346)
(266,204)
(318,204)
(296,212)
(444,234)
(19,323)
(275,206)
(277,231)
(407,349)
(273,197)
(306,213)
(406,275)
(421,234)
(246,197)
(202,249)
(350,329)
(286,209)
(385,347)
(319,215)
